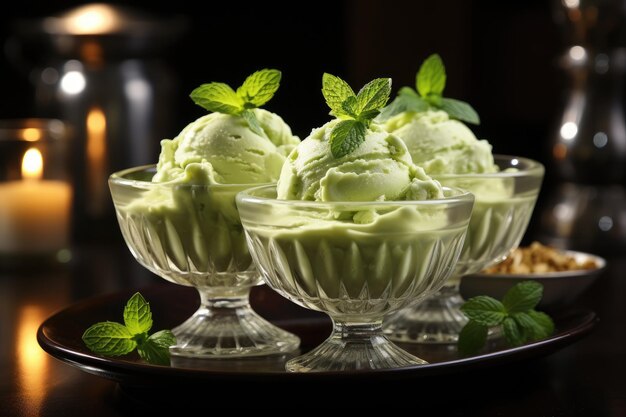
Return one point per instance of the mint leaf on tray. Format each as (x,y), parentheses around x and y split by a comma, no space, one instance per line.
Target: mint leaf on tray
(515,315)
(115,339)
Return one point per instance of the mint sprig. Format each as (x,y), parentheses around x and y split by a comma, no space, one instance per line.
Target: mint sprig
(257,89)
(430,82)
(515,315)
(356,111)
(114,339)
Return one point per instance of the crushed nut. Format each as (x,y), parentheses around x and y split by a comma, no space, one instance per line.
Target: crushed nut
(538,258)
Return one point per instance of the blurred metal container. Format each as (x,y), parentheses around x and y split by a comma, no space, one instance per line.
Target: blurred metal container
(100,67)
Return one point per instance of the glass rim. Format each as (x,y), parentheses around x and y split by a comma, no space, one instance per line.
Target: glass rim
(533,168)
(118,178)
(246,197)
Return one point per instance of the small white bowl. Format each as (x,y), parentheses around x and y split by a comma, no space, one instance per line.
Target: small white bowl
(559,288)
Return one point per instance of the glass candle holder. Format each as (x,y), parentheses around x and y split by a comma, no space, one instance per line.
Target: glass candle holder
(35,191)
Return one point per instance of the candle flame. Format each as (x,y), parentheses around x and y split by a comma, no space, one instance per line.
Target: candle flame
(96,128)
(32,164)
(96,153)
(31,134)
(92,19)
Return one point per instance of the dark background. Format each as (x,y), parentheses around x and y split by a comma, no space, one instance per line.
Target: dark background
(500,56)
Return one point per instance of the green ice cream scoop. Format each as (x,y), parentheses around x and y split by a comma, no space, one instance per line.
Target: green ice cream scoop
(442,145)
(189,210)
(180,221)
(380,169)
(222,149)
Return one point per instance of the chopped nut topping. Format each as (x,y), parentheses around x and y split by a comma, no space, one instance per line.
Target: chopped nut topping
(538,258)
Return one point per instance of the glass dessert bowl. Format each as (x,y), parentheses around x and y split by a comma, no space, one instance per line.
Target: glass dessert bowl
(504,203)
(192,235)
(356,262)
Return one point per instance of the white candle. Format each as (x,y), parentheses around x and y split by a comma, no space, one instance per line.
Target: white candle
(34,213)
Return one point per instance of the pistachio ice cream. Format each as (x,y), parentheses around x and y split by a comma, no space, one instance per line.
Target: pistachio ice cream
(380,169)
(188,209)
(442,145)
(449,151)
(179,217)
(359,234)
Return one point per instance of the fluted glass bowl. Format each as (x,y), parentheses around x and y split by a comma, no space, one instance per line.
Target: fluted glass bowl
(502,210)
(192,235)
(356,262)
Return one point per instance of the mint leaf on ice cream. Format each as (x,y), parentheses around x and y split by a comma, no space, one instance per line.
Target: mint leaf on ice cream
(356,111)
(346,137)
(336,91)
(372,97)
(431,77)
(430,82)
(217,97)
(257,89)
(459,110)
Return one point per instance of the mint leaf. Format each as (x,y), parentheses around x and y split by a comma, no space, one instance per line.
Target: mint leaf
(373,96)
(532,329)
(346,136)
(349,107)
(217,97)
(460,110)
(512,332)
(431,77)
(335,91)
(522,297)
(155,349)
(109,338)
(357,111)
(515,315)
(114,339)
(137,314)
(409,92)
(253,122)
(407,100)
(544,322)
(260,87)
(472,337)
(484,310)
(430,81)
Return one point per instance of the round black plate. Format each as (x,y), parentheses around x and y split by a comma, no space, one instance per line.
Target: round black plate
(60,336)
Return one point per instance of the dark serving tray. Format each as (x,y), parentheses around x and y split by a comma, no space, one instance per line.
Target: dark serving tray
(60,336)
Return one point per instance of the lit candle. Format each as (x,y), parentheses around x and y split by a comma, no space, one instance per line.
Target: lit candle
(97,191)
(34,213)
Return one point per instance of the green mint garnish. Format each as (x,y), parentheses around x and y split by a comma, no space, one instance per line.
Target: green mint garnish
(114,339)
(256,90)
(515,314)
(356,111)
(430,82)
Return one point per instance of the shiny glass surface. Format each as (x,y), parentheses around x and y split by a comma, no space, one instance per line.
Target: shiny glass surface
(191,235)
(356,262)
(502,210)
